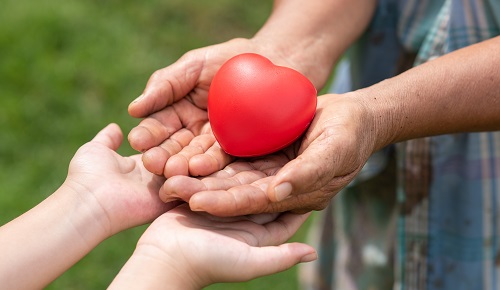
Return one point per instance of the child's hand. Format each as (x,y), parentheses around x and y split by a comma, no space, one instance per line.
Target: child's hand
(119,191)
(103,194)
(190,250)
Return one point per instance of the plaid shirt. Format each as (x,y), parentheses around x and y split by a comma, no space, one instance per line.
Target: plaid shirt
(422,214)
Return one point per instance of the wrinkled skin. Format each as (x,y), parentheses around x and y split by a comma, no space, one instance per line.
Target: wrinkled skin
(174,104)
(178,143)
(244,186)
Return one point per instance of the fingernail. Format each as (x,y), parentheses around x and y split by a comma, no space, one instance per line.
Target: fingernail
(199,202)
(169,199)
(195,207)
(282,191)
(309,257)
(138,99)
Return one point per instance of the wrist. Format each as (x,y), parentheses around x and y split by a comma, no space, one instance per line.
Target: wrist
(309,56)
(291,39)
(86,214)
(152,268)
(312,35)
(383,114)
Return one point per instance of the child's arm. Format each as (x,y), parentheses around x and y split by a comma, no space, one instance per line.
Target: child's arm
(189,250)
(103,194)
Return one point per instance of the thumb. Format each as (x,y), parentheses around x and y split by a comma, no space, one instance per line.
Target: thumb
(275,258)
(310,171)
(111,136)
(168,85)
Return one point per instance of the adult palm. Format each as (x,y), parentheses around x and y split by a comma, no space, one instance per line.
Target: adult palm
(300,178)
(174,105)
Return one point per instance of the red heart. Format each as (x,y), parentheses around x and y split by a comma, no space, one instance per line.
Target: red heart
(256,108)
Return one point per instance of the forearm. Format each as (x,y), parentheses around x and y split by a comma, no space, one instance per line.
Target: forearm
(459,92)
(313,34)
(40,245)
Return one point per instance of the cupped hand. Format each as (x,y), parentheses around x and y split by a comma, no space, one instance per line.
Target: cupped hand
(174,105)
(118,190)
(301,178)
(205,249)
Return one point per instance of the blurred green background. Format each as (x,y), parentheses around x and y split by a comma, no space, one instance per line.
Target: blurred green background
(68,68)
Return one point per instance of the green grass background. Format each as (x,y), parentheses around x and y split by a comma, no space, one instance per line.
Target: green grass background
(68,68)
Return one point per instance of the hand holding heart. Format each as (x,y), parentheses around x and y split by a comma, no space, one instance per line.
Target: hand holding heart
(177,130)
(299,178)
(174,107)
(255,108)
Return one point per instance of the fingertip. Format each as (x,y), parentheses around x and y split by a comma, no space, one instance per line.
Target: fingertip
(134,108)
(154,160)
(303,252)
(176,165)
(200,202)
(282,257)
(202,165)
(114,130)
(111,136)
(296,176)
(167,193)
(114,126)
(139,138)
(212,203)
(280,191)
(165,196)
(180,187)
(213,160)
(309,257)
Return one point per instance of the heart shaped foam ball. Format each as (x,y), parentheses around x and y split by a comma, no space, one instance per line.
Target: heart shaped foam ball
(256,107)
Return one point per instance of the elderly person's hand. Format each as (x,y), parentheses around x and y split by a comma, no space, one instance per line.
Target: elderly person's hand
(174,105)
(306,36)
(300,178)
(427,100)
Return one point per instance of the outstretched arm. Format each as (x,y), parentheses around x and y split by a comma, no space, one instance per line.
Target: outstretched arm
(104,193)
(458,92)
(187,250)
